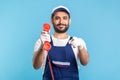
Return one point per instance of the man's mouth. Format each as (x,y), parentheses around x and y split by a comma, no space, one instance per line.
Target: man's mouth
(60,25)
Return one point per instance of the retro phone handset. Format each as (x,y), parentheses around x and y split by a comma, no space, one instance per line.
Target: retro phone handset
(47,45)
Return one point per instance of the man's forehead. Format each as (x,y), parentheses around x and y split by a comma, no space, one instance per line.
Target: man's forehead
(60,13)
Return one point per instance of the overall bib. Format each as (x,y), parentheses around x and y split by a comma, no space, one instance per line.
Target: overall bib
(63,63)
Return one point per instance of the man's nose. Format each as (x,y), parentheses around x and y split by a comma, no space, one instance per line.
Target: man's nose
(61,21)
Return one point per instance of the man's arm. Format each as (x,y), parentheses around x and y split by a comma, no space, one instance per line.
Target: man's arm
(40,53)
(38,58)
(83,56)
(82,49)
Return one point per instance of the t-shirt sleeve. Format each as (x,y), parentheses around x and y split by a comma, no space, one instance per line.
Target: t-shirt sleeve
(37,45)
(82,42)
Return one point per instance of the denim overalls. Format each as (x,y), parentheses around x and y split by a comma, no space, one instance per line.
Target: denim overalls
(63,63)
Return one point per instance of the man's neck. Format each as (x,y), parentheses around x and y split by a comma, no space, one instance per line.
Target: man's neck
(60,35)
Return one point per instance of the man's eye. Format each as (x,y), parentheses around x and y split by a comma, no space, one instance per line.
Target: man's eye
(65,18)
(56,18)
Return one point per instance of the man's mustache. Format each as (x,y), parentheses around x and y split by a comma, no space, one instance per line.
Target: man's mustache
(61,24)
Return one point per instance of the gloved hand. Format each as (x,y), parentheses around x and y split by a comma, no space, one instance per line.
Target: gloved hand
(76,42)
(45,36)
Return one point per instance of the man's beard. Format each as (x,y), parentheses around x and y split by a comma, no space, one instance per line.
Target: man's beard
(61,31)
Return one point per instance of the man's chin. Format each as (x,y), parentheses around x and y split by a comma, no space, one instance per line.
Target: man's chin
(60,30)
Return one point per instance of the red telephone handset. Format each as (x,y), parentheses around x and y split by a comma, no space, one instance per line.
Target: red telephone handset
(47,45)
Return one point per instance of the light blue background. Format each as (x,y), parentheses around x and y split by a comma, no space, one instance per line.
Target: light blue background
(96,21)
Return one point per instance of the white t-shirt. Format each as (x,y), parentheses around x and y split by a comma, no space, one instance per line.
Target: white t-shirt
(60,42)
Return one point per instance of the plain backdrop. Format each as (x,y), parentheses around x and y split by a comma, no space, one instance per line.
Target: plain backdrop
(96,21)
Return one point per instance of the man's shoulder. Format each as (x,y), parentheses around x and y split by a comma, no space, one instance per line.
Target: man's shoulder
(79,38)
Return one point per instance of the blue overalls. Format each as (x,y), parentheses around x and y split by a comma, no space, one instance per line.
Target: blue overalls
(63,63)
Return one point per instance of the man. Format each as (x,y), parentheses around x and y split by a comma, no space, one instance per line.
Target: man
(60,62)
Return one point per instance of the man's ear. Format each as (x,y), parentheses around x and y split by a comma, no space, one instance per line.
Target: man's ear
(51,20)
(70,21)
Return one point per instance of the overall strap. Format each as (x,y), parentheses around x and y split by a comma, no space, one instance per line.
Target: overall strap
(49,62)
(70,38)
(51,41)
